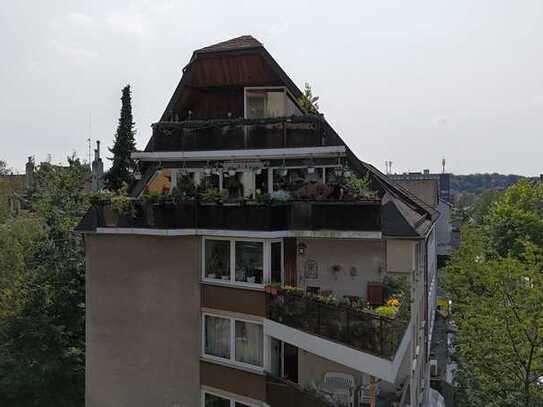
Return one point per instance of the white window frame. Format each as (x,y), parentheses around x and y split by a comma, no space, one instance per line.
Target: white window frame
(230,398)
(266,261)
(232,360)
(286,93)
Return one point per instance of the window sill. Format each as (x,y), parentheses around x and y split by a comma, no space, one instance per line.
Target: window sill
(234,365)
(227,283)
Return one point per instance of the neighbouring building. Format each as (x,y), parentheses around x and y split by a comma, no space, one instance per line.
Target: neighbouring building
(434,189)
(252,270)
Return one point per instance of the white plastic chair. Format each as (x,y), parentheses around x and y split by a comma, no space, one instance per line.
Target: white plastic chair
(341,386)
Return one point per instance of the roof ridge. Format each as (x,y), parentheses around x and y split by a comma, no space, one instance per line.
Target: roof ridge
(241,42)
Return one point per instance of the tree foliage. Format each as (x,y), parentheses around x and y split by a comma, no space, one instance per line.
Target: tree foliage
(308,102)
(4,169)
(495,280)
(122,168)
(42,326)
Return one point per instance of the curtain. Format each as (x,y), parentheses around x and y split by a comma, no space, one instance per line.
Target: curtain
(217,336)
(249,343)
(216,401)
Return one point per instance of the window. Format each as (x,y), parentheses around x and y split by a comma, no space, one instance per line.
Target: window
(244,347)
(217,336)
(214,400)
(250,262)
(242,262)
(217,259)
(269,102)
(249,343)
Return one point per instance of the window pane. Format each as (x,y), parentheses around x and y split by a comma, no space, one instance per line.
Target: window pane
(217,336)
(249,262)
(216,401)
(276,265)
(217,259)
(249,343)
(265,103)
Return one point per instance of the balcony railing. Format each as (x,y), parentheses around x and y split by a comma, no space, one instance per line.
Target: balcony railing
(283,393)
(292,215)
(362,330)
(283,132)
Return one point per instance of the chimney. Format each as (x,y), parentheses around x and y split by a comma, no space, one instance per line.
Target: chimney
(97,170)
(426,171)
(29,173)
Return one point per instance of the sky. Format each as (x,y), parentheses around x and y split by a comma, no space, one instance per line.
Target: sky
(404,81)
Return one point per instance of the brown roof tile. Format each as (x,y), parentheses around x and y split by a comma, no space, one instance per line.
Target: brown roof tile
(243,42)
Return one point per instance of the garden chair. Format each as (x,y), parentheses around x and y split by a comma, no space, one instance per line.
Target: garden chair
(341,387)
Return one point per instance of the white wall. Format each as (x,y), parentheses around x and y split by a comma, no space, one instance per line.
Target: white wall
(366,256)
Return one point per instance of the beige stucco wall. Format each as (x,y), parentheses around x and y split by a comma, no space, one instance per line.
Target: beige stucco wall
(367,256)
(400,256)
(143,321)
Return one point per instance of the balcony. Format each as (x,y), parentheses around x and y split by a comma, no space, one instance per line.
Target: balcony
(283,393)
(202,135)
(362,330)
(291,215)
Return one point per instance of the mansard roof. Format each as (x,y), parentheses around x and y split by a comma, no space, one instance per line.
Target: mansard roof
(238,43)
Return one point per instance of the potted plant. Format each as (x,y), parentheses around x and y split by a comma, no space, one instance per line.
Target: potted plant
(150,200)
(211,196)
(123,208)
(102,202)
(272,288)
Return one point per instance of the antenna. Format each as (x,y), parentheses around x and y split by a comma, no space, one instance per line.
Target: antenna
(443,161)
(90,136)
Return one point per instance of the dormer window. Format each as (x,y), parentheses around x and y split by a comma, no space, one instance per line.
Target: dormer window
(261,103)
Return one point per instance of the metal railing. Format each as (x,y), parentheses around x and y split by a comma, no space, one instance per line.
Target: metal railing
(359,329)
(290,215)
(282,132)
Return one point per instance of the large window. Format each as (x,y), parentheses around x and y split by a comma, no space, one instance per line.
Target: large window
(242,262)
(238,341)
(269,102)
(217,336)
(217,259)
(249,343)
(250,262)
(215,400)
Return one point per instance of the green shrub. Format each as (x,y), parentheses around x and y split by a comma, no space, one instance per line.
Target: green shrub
(211,195)
(122,205)
(151,197)
(386,311)
(100,198)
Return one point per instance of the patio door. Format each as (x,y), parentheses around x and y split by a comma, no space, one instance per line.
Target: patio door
(284,360)
(290,362)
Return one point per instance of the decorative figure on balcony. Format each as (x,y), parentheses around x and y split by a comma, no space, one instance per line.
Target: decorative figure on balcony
(311,269)
(336,268)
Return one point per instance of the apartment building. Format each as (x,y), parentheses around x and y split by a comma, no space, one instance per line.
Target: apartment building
(262,263)
(434,189)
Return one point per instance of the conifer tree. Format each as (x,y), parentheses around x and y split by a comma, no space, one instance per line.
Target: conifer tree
(123,166)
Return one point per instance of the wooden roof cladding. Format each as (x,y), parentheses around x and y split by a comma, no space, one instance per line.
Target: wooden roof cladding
(226,70)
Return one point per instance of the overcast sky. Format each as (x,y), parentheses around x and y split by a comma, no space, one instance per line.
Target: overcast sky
(405,81)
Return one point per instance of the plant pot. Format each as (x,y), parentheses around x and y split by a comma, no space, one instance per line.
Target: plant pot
(251,280)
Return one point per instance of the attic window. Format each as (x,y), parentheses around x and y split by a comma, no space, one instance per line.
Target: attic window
(263,103)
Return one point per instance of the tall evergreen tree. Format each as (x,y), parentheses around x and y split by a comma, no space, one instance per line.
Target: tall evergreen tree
(123,166)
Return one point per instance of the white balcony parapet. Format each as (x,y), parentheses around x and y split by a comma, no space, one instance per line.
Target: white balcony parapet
(361,361)
(264,153)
